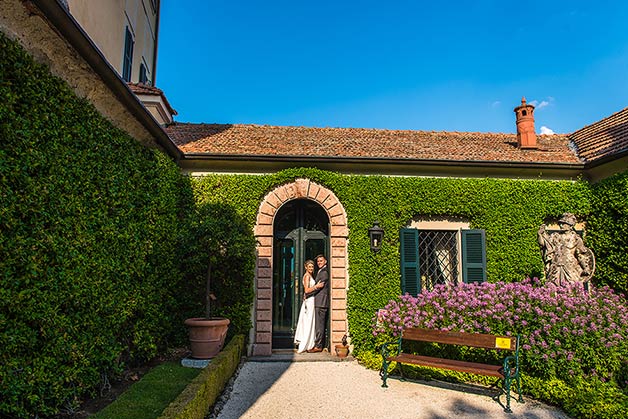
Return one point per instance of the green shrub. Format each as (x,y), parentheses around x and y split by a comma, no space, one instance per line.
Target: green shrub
(582,399)
(597,400)
(220,237)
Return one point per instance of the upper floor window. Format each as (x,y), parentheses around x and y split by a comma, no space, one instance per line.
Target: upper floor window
(441,253)
(143,76)
(127,59)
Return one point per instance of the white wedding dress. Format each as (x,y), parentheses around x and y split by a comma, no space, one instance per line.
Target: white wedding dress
(306,332)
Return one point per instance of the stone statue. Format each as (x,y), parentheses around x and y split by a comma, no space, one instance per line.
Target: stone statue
(567,260)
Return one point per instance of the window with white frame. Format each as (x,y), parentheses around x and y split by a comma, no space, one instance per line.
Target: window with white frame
(441,251)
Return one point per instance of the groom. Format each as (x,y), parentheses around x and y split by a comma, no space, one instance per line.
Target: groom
(321,303)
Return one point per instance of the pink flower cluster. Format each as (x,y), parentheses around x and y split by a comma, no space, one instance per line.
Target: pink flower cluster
(564,330)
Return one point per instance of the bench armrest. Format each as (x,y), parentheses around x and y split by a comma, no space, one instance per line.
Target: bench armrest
(512,359)
(511,363)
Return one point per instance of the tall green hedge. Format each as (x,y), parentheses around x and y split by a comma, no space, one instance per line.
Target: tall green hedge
(103,248)
(91,223)
(510,211)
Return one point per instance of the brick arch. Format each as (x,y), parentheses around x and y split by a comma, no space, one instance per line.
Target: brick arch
(261,336)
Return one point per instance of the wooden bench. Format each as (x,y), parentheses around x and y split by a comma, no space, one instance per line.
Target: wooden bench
(505,373)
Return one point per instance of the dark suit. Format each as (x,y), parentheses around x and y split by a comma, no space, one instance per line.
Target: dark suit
(321,305)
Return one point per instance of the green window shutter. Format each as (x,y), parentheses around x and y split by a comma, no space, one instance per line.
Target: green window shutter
(410,279)
(473,256)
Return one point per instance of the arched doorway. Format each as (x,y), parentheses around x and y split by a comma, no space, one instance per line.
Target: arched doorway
(301,232)
(296,222)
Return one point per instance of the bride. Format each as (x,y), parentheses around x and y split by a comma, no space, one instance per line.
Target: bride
(305,333)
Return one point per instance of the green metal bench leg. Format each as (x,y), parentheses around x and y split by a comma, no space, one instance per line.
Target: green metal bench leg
(403,377)
(384,373)
(520,400)
(507,391)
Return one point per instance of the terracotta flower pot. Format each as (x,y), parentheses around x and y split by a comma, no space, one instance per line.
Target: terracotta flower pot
(342,351)
(207,336)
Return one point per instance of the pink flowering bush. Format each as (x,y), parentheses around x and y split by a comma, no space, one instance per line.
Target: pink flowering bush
(566,333)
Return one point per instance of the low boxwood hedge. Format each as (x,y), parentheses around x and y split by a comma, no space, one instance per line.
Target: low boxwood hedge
(194,402)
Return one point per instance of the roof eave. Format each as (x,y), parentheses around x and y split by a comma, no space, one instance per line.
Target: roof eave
(483,163)
(606,159)
(384,165)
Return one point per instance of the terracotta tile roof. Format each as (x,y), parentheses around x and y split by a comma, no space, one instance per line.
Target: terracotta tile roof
(604,138)
(269,141)
(144,89)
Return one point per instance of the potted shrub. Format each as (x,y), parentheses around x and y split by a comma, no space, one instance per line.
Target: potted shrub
(207,334)
(218,264)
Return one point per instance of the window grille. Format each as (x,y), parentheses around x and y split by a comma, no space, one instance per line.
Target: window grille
(438,258)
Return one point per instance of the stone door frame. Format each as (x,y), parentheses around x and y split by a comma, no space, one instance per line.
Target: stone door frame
(261,336)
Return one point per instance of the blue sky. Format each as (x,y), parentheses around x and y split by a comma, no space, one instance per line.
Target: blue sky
(437,65)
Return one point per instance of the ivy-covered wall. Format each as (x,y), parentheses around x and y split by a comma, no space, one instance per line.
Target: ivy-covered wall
(510,211)
(608,231)
(91,224)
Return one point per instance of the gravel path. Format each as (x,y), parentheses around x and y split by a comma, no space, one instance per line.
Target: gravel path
(303,390)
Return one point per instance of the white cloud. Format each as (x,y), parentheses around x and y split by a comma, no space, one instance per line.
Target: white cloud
(496,104)
(547,131)
(542,104)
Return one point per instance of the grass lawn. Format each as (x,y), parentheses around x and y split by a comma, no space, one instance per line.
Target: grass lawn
(148,398)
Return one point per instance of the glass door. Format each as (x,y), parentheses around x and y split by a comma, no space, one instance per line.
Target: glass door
(283,288)
(314,244)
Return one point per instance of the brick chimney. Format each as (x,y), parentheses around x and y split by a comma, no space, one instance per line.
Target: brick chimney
(526,137)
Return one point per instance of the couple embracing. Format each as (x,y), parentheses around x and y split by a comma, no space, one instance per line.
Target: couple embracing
(310,333)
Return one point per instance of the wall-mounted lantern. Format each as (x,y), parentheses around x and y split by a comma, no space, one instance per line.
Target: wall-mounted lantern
(376,234)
